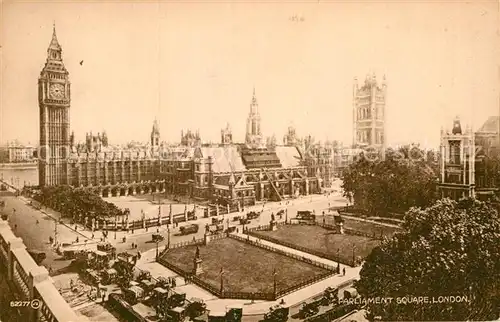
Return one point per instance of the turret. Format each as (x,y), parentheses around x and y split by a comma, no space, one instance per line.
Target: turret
(155,134)
(104,139)
(457,127)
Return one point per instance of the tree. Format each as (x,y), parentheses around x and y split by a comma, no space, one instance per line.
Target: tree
(75,201)
(448,249)
(397,183)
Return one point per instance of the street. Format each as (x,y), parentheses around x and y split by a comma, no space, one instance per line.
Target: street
(23,221)
(36,235)
(143,239)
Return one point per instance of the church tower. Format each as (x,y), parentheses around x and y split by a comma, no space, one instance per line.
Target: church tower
(226,135)
(253,134)
(155,135)
(54,102)
(369,103)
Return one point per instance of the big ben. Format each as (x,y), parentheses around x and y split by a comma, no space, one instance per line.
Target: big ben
(54,101)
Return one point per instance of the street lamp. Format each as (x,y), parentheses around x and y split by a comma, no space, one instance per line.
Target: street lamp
(168,232)
(353,255)
(338,262)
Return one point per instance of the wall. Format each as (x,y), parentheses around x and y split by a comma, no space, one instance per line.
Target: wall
(31,282)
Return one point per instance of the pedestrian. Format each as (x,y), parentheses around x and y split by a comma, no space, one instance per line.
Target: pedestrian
(343,271)
(92,235)
(76,227)
(132,230)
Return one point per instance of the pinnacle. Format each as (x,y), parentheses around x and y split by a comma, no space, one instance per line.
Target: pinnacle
(54,44)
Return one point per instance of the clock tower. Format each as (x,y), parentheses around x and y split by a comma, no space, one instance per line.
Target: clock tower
(54,102)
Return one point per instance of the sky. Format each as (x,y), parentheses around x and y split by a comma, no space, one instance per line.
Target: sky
(193,65)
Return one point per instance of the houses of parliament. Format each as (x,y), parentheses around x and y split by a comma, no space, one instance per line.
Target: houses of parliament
(232,172)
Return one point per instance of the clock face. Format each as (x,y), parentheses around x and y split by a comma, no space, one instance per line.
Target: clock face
(56,91)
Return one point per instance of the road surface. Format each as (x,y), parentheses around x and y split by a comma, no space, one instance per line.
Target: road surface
(35,227)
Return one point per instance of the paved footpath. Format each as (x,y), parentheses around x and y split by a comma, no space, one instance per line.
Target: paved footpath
(147,262)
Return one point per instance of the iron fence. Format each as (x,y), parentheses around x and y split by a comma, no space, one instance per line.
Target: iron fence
(285,253)
(318,253)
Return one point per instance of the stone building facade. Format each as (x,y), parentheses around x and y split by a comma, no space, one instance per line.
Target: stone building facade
(466,160)
(228,172)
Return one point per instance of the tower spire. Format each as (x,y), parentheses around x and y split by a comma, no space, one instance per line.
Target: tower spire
(54,44)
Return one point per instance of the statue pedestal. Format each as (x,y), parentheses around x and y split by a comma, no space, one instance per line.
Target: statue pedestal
(273,225)
(198,269)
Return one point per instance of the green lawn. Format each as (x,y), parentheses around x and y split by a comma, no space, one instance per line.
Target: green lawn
(319,239)
(247,268)
(370,228)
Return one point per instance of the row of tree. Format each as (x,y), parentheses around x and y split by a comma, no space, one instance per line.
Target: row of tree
(74,203)
(393,184)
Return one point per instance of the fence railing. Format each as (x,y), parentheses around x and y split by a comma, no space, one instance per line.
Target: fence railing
(186,243)
(247,295)
(211,288)
(218,236)
(352,231)
(285,253)
(332,257)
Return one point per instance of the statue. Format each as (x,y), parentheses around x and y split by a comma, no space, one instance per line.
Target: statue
(197,254)
(272,217)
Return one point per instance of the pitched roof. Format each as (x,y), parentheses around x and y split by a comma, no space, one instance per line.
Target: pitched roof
(289,156)
(491,125)
(225,158)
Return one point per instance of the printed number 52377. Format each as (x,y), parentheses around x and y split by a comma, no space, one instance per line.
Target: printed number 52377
(20,303)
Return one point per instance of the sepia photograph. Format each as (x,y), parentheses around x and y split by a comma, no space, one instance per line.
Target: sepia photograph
(249,161)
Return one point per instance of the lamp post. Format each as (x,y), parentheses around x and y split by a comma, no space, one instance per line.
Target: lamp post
(353,255)
(168,232)
(221,280)
(338,262)
(274,283)
(55,232)
(157,255)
